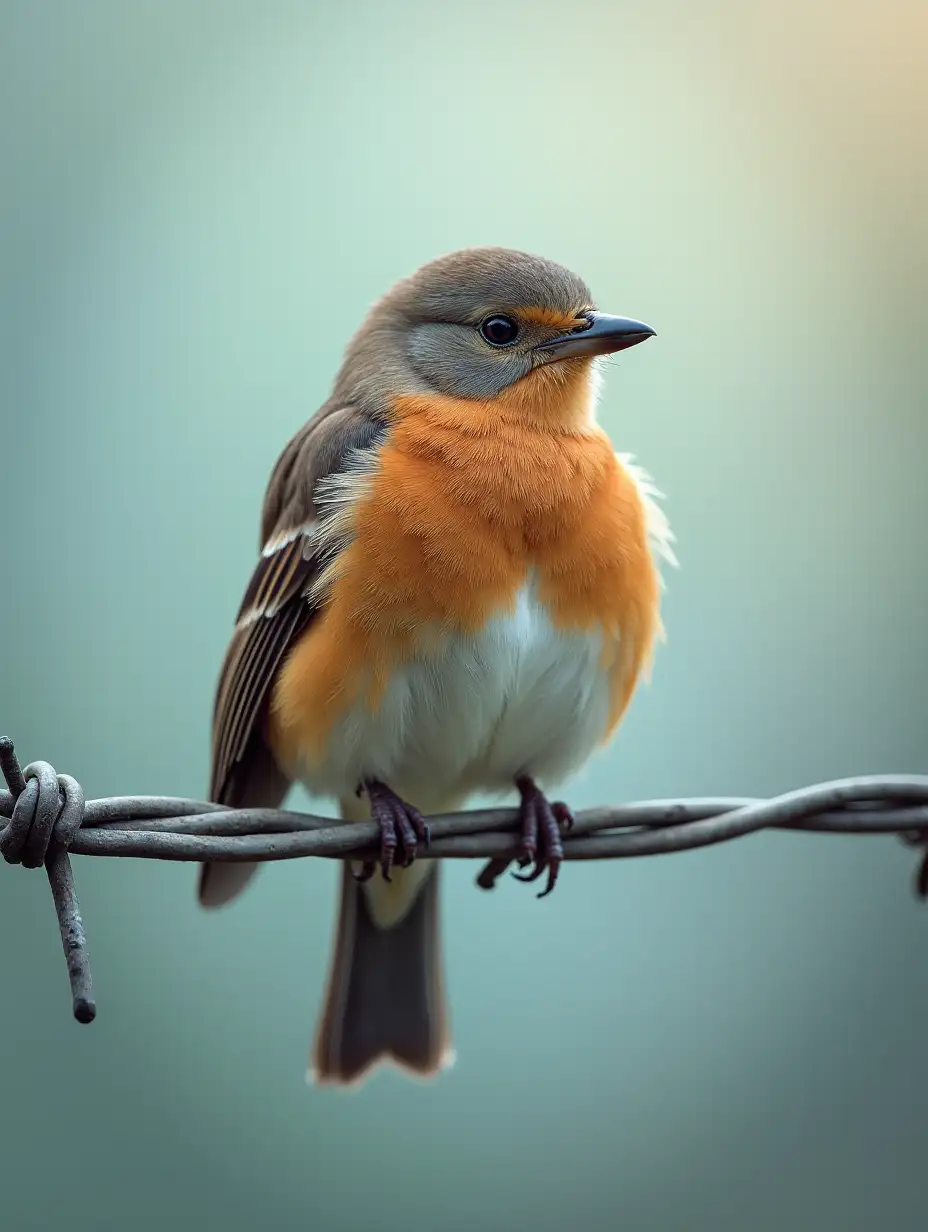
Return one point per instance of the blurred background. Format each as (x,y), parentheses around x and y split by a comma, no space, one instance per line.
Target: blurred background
(199,202)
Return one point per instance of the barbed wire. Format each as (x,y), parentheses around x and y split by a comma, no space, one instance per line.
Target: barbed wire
(47,817)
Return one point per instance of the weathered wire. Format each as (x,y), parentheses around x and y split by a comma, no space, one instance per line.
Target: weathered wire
(47,818)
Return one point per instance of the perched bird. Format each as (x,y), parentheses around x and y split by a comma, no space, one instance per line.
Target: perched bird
(457,591)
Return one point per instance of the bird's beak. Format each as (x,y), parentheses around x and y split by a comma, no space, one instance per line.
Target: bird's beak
(601,335)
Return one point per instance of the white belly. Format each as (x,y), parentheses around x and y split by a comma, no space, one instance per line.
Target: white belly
(519,697)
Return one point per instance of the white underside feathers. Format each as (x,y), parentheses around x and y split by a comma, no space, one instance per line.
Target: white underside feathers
(477,710)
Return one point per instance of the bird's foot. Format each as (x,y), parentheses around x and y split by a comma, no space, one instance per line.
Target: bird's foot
(402,829)
(542,825)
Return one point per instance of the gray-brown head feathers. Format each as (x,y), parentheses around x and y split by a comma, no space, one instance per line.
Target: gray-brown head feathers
(425,333)
(465,286)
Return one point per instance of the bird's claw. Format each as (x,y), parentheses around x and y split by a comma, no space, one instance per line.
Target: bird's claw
(542,825)
(402,827)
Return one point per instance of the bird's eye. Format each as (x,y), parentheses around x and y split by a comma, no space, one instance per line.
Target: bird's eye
(500,331)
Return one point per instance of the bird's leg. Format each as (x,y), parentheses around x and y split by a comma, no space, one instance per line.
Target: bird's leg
(542,823)
(401,827)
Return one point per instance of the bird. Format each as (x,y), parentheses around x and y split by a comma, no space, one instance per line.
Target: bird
(458,588)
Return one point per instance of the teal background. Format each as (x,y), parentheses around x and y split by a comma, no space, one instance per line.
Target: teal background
(199,200)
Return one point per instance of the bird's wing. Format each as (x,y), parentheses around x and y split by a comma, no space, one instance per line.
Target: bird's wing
(276,607)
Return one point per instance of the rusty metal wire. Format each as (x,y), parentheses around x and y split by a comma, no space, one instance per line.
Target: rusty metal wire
(47,818)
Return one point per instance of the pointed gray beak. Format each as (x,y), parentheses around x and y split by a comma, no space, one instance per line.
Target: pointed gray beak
(601,336)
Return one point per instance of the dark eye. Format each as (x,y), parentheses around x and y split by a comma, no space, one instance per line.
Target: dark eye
(500,331)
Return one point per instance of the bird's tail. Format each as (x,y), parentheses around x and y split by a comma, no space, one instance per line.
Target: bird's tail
(385,997)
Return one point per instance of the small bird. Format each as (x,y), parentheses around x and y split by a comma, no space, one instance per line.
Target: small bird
(458,589)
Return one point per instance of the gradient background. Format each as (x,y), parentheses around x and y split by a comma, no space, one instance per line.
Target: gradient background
(199,201)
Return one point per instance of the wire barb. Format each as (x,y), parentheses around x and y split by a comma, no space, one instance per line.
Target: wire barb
(45,812)
(47,817)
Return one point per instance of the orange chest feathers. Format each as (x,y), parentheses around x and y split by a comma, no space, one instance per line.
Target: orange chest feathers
(461,509)
(464,507)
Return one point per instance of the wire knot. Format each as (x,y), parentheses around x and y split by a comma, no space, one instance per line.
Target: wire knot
(44,810)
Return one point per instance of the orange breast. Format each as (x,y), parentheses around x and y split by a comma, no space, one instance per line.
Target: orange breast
(467,500)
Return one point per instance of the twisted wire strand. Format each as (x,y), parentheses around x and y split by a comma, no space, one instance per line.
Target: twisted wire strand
(45,812)
(47,817)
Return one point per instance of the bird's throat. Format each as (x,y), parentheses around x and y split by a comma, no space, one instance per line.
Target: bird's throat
(559,396)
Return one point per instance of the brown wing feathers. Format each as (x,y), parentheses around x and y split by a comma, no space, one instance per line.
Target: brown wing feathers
(274,610)
(273,615)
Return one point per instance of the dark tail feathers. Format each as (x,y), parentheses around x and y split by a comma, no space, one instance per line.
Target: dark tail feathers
(385,997)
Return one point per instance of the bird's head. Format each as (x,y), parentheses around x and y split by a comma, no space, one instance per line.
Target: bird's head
(487,325)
